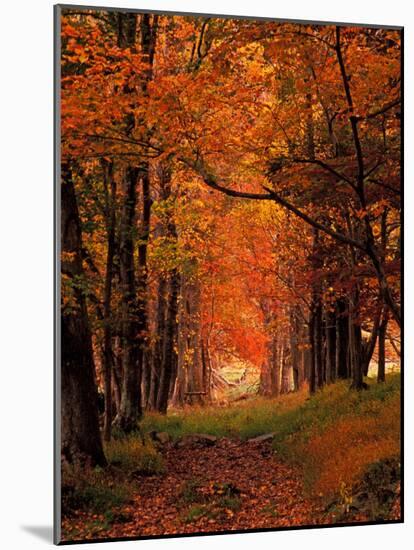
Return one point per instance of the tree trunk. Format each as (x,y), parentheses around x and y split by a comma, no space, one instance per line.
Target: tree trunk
(168,353)
(189,386)
(316,338)
(275,366)
(157,358)
(319,359)
(286,367)
(134,293)
(382,329)
(130,408)
(312,362)
(381,347)
(207,369)
(81,438)
(330,331)
(148,31)
(355,349)
(143,353)
(110,211)
(270,369)
(117,373)
(342,339)
(294,348)
(369,346)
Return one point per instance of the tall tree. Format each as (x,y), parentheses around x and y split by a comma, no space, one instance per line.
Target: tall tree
(81,438)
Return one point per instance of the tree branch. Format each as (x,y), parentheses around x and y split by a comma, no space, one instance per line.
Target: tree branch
(381,111)
(327,168)
(310,221)
(353,119)
(211,181)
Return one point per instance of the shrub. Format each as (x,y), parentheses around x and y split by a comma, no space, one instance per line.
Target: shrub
(92,490)
(100,490)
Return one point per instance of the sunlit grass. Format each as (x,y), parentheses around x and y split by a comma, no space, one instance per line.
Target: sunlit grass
(130,454)
(338,433)
(245,419)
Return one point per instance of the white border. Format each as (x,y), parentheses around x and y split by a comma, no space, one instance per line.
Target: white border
(26,286)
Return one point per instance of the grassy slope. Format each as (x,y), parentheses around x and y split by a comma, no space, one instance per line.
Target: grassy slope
(333,436)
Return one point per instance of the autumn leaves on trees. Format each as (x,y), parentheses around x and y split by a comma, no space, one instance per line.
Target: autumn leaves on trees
(230,191)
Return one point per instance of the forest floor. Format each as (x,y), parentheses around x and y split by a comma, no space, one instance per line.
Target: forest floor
(331,459)
(233,485)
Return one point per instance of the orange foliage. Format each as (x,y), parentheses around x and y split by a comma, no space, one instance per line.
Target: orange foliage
(342,452)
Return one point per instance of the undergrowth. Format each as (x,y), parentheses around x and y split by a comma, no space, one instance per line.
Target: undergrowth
(333,436)
(131,455)
(104,490)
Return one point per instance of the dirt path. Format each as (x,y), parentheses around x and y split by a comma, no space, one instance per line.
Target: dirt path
(229,486)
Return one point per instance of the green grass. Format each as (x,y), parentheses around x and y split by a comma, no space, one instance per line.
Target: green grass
(286,415)
(212,500)
(245,419)
(194,512)
(131,455)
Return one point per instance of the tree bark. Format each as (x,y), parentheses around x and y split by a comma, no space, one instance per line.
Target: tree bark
(81,438)
(330,331)
(381,347)
(134,299)
(355,348)
(157,357)
(270,382)
(295,333)
(315,324)
(286,367)
(319,359)
(143,352)
(369,346)
(189,386)
(312,362)
(110,212)
(342,339)
(168,353)
(130,408)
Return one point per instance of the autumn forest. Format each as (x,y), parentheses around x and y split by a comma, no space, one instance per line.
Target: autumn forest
(230,207)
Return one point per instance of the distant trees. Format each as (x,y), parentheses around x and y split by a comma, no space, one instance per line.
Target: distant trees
(236,195)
